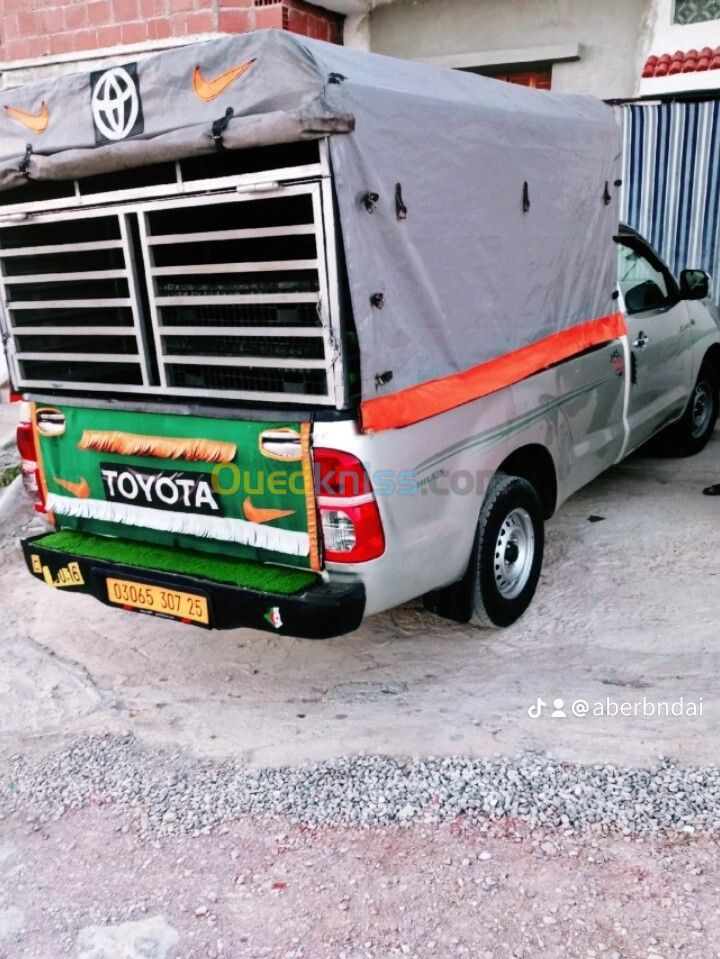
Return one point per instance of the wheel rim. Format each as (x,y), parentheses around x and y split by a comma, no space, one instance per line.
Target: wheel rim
(514,553)
(702,408)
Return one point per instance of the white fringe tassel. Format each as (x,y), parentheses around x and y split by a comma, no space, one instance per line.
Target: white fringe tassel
(189,524)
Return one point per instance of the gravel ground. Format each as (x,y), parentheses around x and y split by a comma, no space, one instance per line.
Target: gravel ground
(111,849)
(272,890)
(170,792)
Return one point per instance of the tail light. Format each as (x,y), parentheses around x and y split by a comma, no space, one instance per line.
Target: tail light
(29,467)
(351,525)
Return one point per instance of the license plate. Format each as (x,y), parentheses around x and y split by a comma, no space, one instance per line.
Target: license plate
(158,599)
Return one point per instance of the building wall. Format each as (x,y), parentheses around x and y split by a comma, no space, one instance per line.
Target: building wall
(610,34)
(671,36)
(666,36)
(39,38)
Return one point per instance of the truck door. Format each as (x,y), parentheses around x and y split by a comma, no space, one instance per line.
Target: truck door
(660,343)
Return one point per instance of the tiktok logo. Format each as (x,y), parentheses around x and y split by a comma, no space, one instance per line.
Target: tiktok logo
(535,711)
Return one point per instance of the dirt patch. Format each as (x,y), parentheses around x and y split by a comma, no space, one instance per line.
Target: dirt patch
(267,889)
(627,609)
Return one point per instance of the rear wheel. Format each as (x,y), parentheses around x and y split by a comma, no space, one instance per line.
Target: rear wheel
(691,433)
(509,552)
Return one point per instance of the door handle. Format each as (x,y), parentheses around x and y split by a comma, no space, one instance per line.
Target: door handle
(641,341)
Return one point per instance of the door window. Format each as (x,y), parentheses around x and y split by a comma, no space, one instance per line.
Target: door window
(644,285)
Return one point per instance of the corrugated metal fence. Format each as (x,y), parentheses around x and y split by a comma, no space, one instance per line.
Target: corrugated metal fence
(671,182)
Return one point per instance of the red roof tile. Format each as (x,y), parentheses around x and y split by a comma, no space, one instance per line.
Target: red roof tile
(693,61)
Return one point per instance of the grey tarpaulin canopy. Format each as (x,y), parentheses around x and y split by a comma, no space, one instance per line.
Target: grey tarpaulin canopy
(504,262)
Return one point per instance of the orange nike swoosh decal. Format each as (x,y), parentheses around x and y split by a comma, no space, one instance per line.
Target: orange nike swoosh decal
(35,122)
(254,514)
(209,89)
(81,489)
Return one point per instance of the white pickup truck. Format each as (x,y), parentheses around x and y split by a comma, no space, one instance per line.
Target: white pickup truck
(571,422)
(326,333)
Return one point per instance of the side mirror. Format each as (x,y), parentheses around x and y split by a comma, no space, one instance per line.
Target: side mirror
(694,285)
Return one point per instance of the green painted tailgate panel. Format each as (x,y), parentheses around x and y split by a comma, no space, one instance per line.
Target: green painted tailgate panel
(184,482)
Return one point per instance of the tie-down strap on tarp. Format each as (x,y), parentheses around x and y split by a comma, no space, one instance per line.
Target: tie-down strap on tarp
(265,129)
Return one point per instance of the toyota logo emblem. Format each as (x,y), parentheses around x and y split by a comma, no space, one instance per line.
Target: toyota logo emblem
(116,106)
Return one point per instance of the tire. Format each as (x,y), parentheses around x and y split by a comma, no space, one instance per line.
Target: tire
(691,433)
(508,552)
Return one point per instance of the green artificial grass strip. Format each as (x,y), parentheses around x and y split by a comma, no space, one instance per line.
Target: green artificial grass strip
(267,579)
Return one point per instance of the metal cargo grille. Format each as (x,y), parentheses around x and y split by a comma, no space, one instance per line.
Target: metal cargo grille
(67,292)
(222,295)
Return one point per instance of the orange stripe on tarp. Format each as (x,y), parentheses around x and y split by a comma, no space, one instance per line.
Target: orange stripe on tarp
(437,396)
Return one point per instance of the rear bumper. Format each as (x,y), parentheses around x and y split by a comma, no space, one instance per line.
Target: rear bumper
(318,612)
